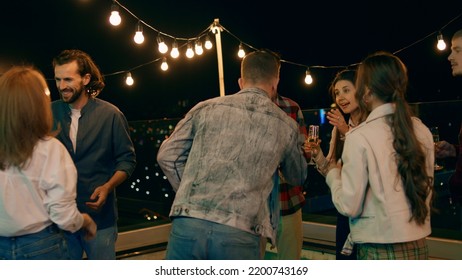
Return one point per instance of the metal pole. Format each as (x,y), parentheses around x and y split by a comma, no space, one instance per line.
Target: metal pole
(216,29)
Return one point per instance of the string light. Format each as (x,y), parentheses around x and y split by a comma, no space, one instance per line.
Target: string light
(164,65)
(441,44)
(115,18)
(215,27)
(241,52)
(208,42)
(308,77)
(129,79)
(189,51)
(163,48)
(174,53)
(198,47)
(139,37)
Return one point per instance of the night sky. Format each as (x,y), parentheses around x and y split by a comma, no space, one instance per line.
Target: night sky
(320,35)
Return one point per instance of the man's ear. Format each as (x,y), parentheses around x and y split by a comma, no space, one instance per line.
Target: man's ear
(275,84)
(86,79)
(239,81)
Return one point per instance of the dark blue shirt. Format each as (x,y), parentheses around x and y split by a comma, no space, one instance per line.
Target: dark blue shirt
(103,147)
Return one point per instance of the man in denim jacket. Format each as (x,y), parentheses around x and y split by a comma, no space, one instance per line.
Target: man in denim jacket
(221,160)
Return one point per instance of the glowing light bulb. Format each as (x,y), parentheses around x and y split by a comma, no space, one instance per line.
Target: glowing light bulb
(164,65)
(115,18)
(208,42)
(129,80)
(241,52)
(308,78)
(198,48)
(163,48)
(174,53)
(441,44)
(189,51)
(139,37)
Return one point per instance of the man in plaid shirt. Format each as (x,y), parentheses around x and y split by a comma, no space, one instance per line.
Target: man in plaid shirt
(290,231)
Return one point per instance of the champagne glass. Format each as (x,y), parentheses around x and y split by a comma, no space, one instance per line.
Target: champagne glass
(313,136)
(436,138)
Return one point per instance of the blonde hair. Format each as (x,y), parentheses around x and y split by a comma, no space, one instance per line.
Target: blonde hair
(25,114)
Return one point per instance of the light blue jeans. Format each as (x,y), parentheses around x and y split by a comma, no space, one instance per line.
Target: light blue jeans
(102,247)
(48,244)
(196,239)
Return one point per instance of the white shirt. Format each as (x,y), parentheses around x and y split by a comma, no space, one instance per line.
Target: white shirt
(75,116)
(40,194)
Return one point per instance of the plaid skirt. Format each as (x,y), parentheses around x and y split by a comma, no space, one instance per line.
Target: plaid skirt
(413,250)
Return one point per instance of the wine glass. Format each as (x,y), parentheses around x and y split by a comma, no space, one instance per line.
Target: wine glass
(436,138)
(313,136)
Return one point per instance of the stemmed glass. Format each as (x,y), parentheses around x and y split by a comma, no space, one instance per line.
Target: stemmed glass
(313,136)
(436,138)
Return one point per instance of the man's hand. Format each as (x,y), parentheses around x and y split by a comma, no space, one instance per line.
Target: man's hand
(98,198)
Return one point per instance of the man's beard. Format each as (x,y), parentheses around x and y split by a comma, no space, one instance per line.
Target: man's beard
(75,95)
(457,72)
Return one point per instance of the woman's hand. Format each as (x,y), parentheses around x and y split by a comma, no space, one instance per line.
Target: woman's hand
(311,149)
(444,149)
(89,226)
(336,118)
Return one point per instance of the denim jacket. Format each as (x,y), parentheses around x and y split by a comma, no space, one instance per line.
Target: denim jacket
(222,155)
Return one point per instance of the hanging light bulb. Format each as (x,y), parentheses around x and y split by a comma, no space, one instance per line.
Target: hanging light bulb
(163,48)
(441,44)
(174,53)
(139,37)
(308,77)
(128,79)
(241,52)
(164,65)
(115,19)
(189,51)
(208,42)
(198,47)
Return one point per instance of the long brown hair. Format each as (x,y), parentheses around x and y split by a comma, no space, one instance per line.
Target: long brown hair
(25,114)
(386,77)
(344,75)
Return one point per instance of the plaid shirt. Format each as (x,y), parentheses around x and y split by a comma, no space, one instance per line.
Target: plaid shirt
(291,197)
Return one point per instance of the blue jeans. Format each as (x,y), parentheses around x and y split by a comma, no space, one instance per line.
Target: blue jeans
(48,244)
(196,239)
(102,247)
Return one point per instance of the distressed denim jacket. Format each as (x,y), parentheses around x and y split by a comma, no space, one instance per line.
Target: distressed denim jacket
(222,155)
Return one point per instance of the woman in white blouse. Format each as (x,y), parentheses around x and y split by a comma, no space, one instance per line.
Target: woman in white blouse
(37,175)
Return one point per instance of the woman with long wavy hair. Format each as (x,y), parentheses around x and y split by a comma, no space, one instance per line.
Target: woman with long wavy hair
(384,181)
